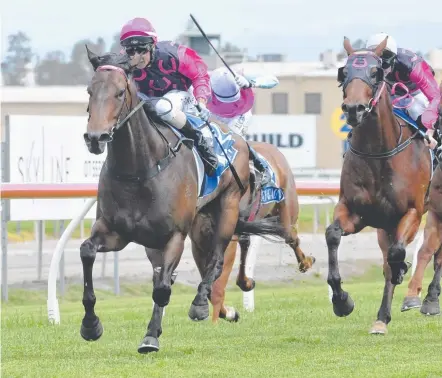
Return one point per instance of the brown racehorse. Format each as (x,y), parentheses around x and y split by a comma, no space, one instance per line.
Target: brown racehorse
(432,245)
(148,191)
(287,210)
(384,179)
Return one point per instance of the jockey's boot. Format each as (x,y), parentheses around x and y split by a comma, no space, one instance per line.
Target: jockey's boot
(208,156)
(259,166)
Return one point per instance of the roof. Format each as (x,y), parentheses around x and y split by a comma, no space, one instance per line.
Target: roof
(285,69)
(44,94)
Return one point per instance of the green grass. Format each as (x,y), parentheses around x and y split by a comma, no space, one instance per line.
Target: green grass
(292,333)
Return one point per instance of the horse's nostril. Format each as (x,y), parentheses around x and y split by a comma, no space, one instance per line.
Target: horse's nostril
(360,108)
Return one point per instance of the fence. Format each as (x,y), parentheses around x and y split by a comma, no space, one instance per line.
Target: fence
(8,191)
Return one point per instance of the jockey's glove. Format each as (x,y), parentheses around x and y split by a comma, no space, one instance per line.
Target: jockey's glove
(242,82)
(204,112)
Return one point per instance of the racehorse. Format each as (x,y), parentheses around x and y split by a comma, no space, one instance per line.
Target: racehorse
(152,189)
(384,179)
(432,245)
(278,198)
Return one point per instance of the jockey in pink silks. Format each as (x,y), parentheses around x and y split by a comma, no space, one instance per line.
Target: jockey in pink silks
(232,101)
(405,67)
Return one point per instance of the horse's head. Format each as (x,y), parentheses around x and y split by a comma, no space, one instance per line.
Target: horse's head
(360,79)
(112,94)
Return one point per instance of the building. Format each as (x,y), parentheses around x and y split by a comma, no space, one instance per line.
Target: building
(311,88)
(305,88)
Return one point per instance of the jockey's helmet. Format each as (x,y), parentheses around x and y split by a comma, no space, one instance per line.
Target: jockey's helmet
(224,86)
(138,32)
(389,52)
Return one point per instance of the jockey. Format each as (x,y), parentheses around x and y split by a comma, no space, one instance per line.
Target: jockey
(166,69)
(231,103)
(404,66)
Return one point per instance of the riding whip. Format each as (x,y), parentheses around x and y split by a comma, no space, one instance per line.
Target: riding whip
(210,43)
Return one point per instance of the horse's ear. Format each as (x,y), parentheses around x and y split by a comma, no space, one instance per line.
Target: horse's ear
(381,47)
(348,47)
(93,58)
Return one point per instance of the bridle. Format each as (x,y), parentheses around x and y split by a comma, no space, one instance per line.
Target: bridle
(362,64)
(108,137)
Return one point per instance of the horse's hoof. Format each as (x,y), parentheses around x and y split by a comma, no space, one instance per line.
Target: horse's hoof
(91,333)
(304,267)
(343,307)
(198,313)
(378,328)
(244,287)
(149,344)
(410,302)
(232,315)
(430,308)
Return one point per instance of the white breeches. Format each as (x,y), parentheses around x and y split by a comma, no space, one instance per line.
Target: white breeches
(238,124)
(418,106)
(173,104)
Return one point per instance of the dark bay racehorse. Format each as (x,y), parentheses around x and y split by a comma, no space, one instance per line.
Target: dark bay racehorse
(259,202)
(385,176)
(432,246)
(148,190)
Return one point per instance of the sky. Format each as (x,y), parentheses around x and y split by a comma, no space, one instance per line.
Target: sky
(298,28)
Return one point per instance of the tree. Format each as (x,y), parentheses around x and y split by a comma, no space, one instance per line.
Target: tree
(115,46)
(53,70)
(80,69)
(19,54)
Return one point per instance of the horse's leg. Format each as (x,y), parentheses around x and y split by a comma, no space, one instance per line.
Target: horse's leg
(220,310)
(430,305)
(224,230)
(201,234)
(242,281)
(101,237)
(432,242)
(406,232)
(344,223)
(289,217)
(162,282)
(384,313)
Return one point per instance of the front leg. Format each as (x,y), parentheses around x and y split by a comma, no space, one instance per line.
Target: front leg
(91,328)
(344,223)
(406,232)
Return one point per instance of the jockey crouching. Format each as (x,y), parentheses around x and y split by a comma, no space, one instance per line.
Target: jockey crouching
(231,103)
(404,66)
(166,69)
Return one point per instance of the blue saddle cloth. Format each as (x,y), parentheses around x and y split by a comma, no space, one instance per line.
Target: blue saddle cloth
(210,183)
(270,192)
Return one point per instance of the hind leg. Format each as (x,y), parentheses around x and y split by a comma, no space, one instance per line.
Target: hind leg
(220,310)
(430,305)
(101,236)
(432,242)
(289,217)
(242,281)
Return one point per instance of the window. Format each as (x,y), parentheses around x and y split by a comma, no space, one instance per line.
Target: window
(312,103)
(280,103)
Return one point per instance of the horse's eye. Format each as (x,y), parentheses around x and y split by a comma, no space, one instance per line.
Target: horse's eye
(120,93)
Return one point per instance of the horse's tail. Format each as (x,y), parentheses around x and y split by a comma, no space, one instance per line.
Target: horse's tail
(260,227)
